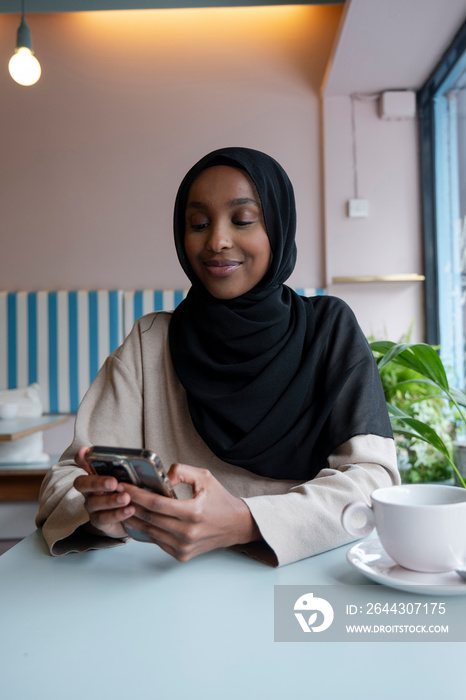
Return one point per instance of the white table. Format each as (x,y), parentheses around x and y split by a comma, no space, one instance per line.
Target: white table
(15,428)
(131,622)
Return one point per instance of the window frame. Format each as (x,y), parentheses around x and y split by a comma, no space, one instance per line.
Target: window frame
(447,71)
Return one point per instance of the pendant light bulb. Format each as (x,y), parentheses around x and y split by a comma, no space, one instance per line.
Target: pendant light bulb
(23,66)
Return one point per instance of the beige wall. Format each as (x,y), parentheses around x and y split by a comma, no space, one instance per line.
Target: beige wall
(91,156)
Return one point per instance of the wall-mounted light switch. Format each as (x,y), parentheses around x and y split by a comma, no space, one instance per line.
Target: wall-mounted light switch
(358,208)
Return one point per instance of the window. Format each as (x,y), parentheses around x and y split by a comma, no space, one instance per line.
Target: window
(442,110)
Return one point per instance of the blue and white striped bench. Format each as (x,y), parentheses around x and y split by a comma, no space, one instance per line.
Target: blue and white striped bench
(144,301)
(60,339)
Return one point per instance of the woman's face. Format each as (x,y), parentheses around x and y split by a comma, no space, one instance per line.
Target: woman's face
(225,239)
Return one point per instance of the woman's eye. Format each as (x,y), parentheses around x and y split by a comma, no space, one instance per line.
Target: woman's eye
(243,223)
(243,216)
(197,223)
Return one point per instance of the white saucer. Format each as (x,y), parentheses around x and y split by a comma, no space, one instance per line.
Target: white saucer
(370,558)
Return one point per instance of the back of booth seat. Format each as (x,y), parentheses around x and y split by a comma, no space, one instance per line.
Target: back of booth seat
(60,339)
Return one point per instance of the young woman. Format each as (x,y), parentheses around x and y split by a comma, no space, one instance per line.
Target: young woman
(268,406)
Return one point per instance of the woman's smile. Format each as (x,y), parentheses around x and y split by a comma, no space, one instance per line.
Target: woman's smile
(225,238)
(221,268)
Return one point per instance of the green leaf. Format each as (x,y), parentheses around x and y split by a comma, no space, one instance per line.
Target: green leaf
(417,436)
(420,357)
(389,351)
(396,363)
(422,431)
(428,363)
(381,346)
(458,395)
(407,383)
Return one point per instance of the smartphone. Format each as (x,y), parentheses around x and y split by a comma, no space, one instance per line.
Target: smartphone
(139,467)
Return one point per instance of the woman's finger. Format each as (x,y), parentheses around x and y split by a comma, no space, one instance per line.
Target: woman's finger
(170,542)
(199,479)
(154,501)
(186,474)
(96,484)
(80,458)
(103,519)
(161,539)
(113,501)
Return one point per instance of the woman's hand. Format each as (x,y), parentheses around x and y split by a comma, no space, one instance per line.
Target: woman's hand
(185,528)
(106,500)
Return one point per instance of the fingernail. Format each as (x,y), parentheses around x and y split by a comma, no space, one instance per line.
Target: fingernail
(128,511)
(108,484)
(122,498)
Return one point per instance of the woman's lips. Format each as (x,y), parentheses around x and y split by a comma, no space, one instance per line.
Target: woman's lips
(221,268)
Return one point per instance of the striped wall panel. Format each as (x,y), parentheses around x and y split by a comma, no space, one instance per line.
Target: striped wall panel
(144,301)
(58,339)
(310,291)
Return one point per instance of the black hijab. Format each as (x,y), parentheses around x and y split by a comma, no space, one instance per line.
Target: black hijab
(275,382)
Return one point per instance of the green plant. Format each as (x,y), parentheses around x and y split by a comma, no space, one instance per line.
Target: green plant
(419,377)
(418,461)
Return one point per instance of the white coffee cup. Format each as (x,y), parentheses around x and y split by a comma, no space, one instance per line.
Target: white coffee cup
(421,526)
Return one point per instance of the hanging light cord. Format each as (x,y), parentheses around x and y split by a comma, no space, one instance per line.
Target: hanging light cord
(368,97)
(355,150)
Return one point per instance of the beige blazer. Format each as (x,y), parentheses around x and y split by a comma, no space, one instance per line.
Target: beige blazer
(137,401)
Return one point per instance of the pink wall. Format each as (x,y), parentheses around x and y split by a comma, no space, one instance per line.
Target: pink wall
(91,156)
(389,240)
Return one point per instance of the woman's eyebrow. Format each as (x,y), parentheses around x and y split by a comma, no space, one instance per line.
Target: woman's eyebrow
(243,200)
(232,203)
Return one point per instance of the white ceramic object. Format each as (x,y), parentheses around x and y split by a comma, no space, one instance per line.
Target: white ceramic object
(8,410)
(421,526)
(370,559)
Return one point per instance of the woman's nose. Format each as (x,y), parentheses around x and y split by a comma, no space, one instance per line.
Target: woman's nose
(219,238)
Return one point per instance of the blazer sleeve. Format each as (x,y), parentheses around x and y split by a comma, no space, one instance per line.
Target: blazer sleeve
(306,519)
(110,413)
